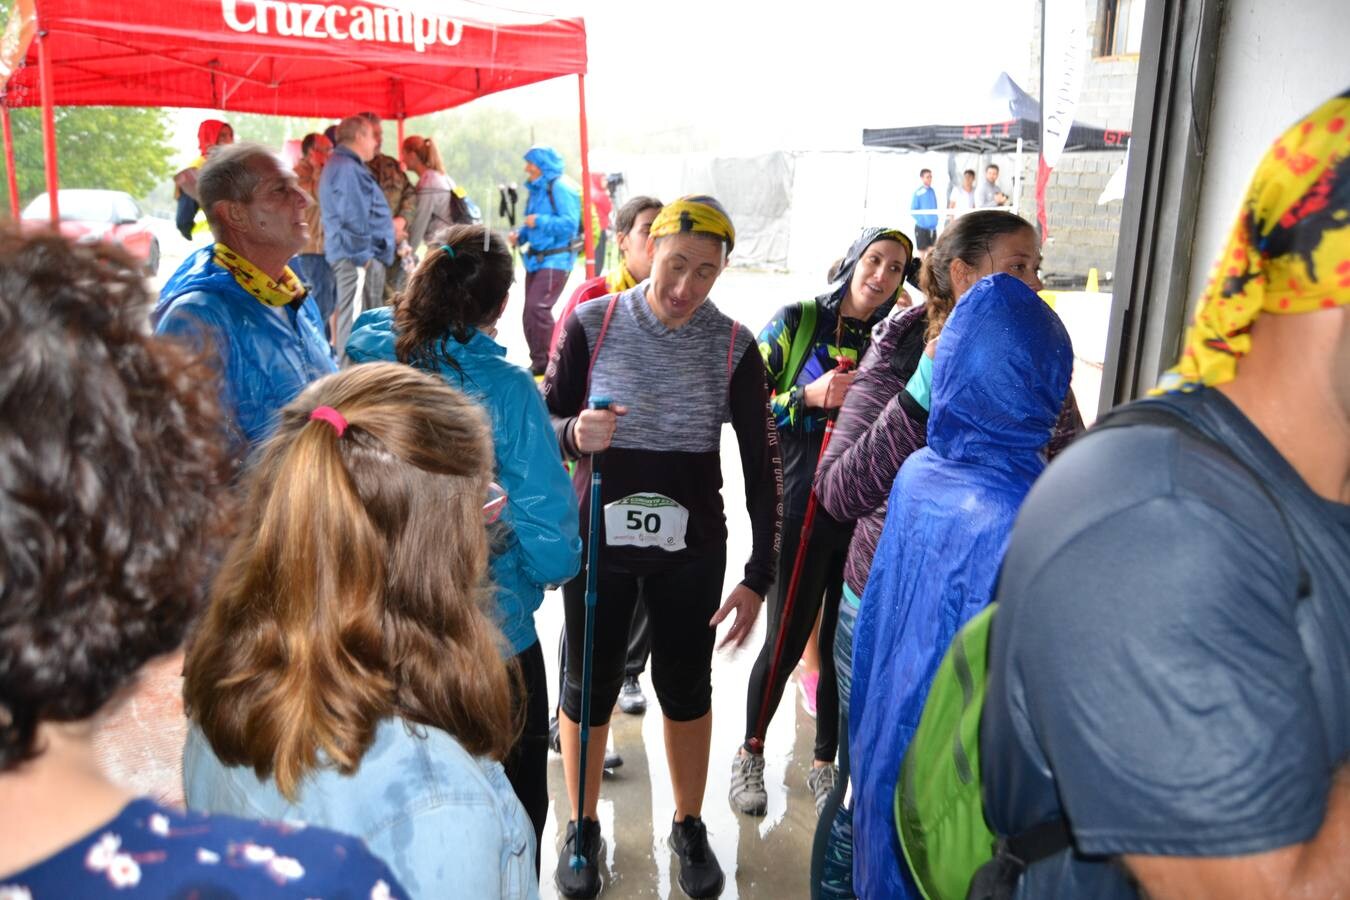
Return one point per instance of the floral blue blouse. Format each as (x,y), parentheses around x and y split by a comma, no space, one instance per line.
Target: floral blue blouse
(153,851)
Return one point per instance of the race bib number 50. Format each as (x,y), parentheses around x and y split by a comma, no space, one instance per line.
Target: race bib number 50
(646,520)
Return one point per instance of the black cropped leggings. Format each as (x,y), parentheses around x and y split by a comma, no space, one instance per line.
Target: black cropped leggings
(679,603)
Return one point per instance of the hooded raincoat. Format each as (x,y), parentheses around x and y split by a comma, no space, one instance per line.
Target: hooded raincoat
(556,219)
(541,544)
(265,355)
(999,381)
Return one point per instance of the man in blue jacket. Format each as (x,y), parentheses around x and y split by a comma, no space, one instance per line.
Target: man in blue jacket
(357,225)
(552,215)
(237,299)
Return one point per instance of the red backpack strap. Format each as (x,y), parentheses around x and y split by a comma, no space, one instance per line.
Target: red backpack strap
(600,339)
(731,355)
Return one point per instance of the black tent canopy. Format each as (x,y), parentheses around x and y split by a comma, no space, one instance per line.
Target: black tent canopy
(992,124)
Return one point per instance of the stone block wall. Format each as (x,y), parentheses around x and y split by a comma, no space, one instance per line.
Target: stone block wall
(1083,235)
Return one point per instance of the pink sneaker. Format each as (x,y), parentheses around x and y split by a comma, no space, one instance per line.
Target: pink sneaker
(807,684)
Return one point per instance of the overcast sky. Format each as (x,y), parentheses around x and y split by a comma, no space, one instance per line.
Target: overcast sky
(758,75)
(759,72)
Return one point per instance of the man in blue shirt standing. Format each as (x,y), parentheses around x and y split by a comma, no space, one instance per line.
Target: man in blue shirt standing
(925,227)
(358,228)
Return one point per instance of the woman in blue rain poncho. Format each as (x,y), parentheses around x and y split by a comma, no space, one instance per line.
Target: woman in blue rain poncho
(1000,375)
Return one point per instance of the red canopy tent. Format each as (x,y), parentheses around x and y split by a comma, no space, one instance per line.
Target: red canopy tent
(331,58)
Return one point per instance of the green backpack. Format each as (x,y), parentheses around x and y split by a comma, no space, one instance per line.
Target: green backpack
(939,801)
(939,808)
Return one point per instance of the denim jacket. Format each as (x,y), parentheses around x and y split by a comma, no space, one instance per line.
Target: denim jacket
(448,824)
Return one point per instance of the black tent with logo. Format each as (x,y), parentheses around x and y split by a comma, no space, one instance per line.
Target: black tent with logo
(992,124)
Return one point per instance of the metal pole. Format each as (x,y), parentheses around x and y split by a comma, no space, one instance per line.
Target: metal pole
(586,181)
(10,173)
(1017,180)
(399,154)
(49,126)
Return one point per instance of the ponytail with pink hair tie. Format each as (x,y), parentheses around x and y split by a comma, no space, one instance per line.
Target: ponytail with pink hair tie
(331,416)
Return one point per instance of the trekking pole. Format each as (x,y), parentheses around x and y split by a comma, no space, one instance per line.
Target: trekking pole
(756,743)
(588,644)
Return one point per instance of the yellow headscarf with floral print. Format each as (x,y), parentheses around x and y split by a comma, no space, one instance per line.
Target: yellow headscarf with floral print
(1288,253)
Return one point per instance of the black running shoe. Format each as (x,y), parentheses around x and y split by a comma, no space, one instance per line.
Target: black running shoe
(584,881)
(700,875)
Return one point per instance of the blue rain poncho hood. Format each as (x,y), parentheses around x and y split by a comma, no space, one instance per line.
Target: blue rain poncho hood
(549,161)
(1000,378)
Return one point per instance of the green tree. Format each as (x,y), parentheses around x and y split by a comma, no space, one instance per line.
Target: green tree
(124,149)
(483,147)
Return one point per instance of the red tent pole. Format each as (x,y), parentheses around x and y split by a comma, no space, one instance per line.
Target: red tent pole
(586,182)
(11,175)
(48,125)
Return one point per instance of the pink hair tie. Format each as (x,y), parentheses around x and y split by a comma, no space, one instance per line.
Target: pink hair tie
(331,416)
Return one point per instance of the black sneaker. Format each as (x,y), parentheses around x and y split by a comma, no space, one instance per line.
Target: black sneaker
(584,881)
(700,875)
(613,760)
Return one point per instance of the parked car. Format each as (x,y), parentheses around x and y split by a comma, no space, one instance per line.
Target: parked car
(98,215)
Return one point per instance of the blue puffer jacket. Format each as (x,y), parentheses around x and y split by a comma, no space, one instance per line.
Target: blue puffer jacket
(266,356)
(999,381)
(553,228)
(541,546)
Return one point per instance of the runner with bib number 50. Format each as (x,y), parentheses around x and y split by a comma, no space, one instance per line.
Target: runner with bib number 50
(677,368)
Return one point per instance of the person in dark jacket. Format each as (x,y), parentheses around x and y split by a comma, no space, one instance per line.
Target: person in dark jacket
(802,346)
(238,301)
(1000,377)
(879,426)
(552,215)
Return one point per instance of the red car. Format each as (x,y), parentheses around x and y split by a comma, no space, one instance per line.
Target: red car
(97,215)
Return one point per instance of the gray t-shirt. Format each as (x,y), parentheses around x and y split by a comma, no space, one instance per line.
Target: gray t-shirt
(984,193)
(1151,668)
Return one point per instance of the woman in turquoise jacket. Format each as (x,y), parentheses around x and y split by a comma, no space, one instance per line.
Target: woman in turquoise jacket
(445,322)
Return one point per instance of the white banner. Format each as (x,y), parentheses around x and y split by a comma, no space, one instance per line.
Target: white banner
(1066,45)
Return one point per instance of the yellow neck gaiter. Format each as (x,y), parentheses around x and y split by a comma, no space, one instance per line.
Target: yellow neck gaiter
(1288,253)
(274,293)
(620,279)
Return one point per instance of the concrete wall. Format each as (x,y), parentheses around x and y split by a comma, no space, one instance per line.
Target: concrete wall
(1083,234)
(1273,68)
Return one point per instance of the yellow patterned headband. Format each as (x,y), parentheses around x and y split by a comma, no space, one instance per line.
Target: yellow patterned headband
(697,214)
(1288,253)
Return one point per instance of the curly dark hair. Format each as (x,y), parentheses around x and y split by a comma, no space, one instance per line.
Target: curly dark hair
(112,475)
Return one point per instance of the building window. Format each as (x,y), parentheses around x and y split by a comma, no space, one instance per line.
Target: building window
(1120,27)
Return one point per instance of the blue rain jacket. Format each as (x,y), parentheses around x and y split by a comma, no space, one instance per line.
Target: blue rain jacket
(357,224)
(552,230)
(541,543)
(265,355)
(1000,377)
